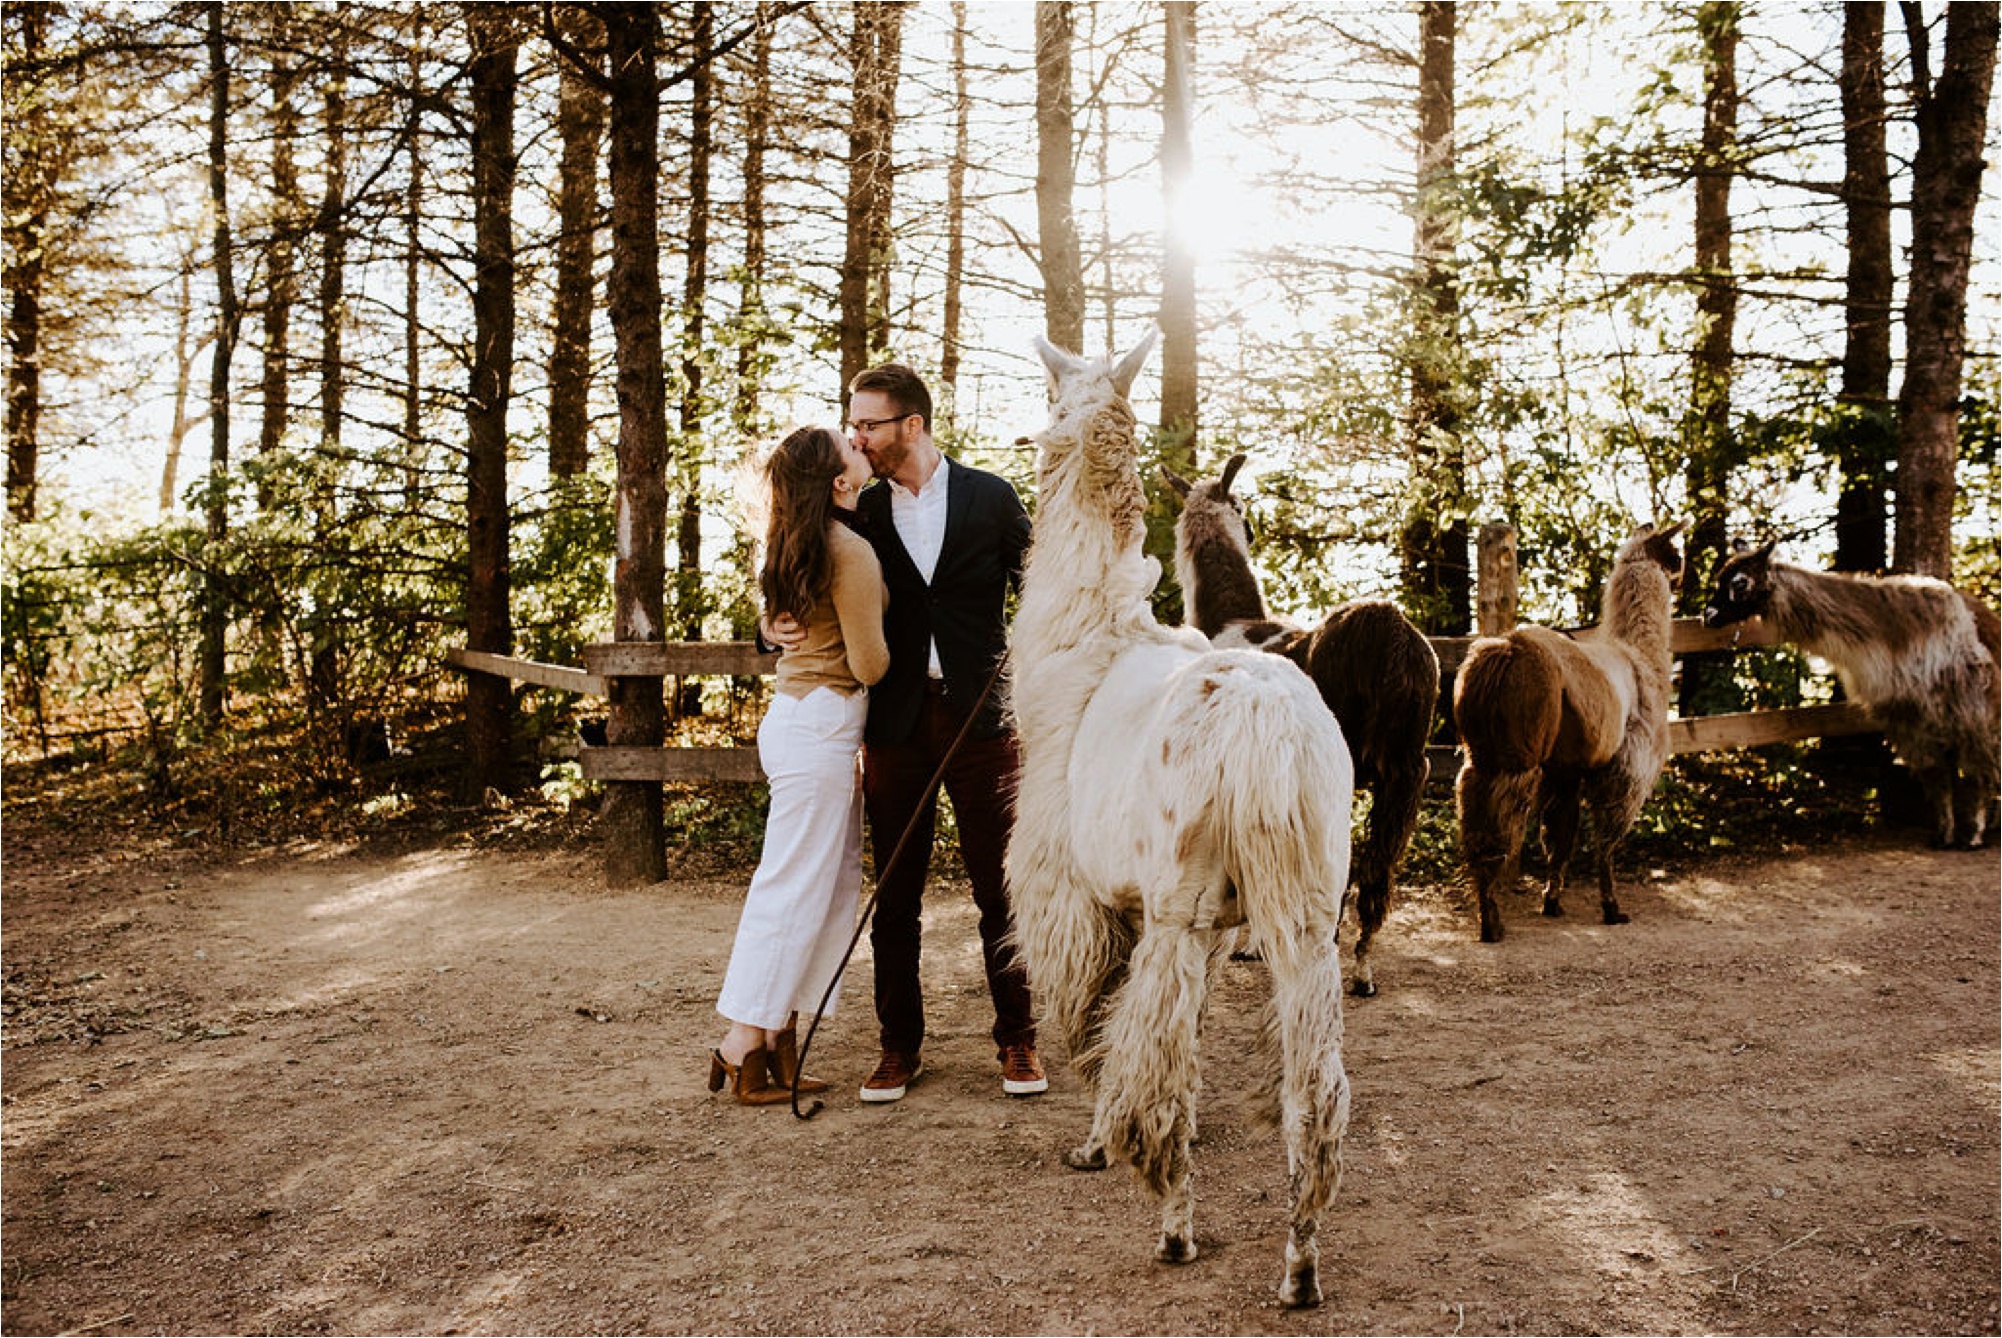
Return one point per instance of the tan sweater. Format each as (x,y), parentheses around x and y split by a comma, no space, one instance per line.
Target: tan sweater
(844,647)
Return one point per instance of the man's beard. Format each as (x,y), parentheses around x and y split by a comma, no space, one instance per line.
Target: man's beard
(888,460)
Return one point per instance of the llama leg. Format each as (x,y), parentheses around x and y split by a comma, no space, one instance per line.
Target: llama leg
(1975,789)
(1090,1154)
(1314,1095)
(1372,902)
(1150,1074)
(1616,802)
(1936,783)
(1560,837)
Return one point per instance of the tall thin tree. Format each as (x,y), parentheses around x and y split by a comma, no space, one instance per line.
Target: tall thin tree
(489,626)
(281,280)
(1056,140)
(1178,261)
(1710,447)
(580,125)
(636,841)
(1865,446)
(1952,116)
(1433,543)
(875,60)
(951,334)
(30,154)
(690,601)
(215,593)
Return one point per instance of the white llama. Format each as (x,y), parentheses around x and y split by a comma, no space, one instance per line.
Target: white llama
(1169,792)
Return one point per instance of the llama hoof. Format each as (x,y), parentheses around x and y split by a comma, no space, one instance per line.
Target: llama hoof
(1553,909)
(1616,916)
(1176,1249)
(1301,1293)
(1491,933)
(1089,1157)
(1363,989)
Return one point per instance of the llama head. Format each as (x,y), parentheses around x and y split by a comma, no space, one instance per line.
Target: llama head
(1654,543)
(1211,513)
(1088,453)
(1744,585)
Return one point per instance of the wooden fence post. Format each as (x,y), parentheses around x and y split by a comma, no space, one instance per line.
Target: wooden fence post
(1496,591)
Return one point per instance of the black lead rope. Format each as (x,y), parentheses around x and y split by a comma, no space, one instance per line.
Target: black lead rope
(882,872)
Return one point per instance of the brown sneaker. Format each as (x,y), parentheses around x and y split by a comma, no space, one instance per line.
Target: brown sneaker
(895,1071)
(1021,1072)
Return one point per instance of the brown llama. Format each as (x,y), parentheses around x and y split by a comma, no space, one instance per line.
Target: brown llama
(1545,718)
(1919,655)
(1376,672)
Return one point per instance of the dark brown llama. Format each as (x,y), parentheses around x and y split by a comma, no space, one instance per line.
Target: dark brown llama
(1919,655)
(1545,718)
(1376,672)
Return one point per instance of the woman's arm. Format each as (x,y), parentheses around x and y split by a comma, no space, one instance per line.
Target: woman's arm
(859,601)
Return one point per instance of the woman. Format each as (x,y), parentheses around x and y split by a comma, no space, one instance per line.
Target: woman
(800,910)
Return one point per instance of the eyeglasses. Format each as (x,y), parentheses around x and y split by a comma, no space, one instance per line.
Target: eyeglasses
(871,424)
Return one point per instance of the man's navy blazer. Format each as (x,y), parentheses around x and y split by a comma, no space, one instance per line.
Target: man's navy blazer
(963,606)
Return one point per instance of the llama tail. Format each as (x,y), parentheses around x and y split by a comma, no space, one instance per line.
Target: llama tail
(1494,820)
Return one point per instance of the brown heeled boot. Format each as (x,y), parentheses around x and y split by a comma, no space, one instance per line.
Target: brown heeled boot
(750,1082)
(784,1061)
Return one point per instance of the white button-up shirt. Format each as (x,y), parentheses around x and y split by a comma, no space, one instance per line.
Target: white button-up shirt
(920,521)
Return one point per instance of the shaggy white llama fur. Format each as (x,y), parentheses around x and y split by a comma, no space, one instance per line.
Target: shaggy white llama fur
(1169,792)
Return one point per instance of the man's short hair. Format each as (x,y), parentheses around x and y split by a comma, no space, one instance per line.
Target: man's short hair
(904,387)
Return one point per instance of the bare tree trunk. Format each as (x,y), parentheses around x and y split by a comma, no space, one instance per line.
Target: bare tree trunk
(1178,261)
(215,595)
(281,286)
(187,349)
(1056,137)
(636,841)
(874,52)
(1866,446)
(955,210)
(413,276)
(1434,544)
(751,336)
(27,225)
(1712,450)
(689,599)
(323,671)
(580,123)
(1952,120)
(489,697)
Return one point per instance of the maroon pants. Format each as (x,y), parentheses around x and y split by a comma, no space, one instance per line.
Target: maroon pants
(981,781)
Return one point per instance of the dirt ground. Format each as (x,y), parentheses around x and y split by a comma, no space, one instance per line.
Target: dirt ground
(461,1090)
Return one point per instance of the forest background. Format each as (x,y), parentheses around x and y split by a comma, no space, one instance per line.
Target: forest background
(343,335)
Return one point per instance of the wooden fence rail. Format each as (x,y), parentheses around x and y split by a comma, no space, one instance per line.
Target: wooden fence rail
(653,659)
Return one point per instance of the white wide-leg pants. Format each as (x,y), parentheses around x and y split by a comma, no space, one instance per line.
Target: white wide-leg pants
(800,911)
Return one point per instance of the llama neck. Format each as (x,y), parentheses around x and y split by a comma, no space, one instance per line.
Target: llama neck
(1086,577)
(1218,585)
(1847,620)
(1639,611)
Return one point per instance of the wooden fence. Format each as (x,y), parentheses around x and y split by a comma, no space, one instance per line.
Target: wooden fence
(660,661)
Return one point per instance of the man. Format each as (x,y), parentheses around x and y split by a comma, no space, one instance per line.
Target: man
(951,540)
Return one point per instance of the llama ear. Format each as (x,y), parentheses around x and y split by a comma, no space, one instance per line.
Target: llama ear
(1057,362)
(1128,367)
(1230,468)
(1673,530)
(1766,549)
(1739,546)
(1175,481)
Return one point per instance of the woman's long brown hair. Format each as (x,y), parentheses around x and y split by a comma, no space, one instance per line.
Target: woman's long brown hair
(799,482)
